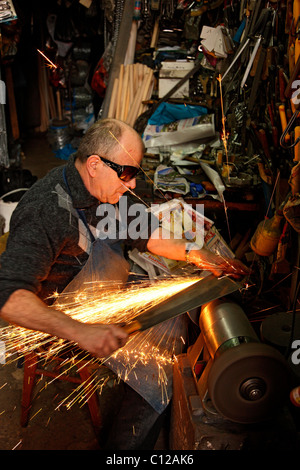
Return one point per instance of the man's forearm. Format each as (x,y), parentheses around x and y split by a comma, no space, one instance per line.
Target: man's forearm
(25,309)
(175,249)
(161,244)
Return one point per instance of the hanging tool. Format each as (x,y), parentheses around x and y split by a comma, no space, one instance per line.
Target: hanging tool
(297,145)
(296,20)
(236,58)
(285,127)
(288,128)
(282,84)
(267,32)
(252,57)
(281,265)
(292,90)
(264,142)
(255,31)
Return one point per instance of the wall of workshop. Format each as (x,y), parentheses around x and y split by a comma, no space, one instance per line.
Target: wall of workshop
(253,123)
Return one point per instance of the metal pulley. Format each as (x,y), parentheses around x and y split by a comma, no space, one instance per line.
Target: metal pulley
(244,380)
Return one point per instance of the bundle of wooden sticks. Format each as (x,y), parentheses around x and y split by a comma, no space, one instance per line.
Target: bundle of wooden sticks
(133,85)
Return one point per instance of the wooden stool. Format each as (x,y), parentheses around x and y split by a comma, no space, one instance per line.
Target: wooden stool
(32,368)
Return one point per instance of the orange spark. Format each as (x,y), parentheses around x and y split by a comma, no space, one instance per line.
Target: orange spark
(51,64)
(97,303)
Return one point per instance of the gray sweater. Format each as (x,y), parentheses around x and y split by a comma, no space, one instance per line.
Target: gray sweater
(48,242)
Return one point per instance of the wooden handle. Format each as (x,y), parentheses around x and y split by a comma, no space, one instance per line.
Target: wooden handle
(297,146)
(132,327)
(283,120)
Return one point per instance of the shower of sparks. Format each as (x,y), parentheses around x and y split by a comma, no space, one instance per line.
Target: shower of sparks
(50,63)
(100,302)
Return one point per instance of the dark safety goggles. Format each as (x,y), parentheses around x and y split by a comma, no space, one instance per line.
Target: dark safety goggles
(124,172)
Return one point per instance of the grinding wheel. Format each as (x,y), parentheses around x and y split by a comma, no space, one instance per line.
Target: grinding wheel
(247,383)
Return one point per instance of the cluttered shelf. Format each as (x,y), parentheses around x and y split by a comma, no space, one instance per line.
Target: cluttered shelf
(199,181)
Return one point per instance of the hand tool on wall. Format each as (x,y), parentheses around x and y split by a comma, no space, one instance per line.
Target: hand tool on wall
(253,29)
(282,84)
(268,63)
(292,90)
(297,145)
(281,264)
(296,21)
(257,138)
(288,127)
(264,165)
(267,31)
(255,53)
(283,119)
(264,142)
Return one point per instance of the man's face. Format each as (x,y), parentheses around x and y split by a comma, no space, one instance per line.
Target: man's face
(106,186)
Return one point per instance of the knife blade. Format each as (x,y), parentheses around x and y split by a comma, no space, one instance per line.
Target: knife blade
(205,290)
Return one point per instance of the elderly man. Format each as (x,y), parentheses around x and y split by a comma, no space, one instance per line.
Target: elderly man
(53,237)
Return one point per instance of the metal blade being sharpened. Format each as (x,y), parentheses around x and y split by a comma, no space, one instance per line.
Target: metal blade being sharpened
(201,292)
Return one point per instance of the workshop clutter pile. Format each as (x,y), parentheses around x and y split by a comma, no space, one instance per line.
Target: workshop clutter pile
(212,124)
(221,122)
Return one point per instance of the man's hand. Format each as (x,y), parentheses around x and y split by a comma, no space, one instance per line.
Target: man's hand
(100,340)
(218,265)
(25,309)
